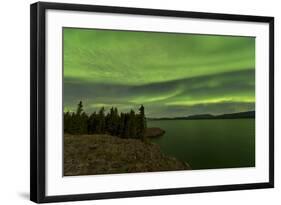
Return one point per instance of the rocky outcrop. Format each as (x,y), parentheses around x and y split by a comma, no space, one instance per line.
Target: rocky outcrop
(105,154)
(154,132)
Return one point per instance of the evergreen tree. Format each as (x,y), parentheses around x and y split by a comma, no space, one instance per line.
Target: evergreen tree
(116,122)
(92,123)
(126,131)
(79,108)
(121,127)
(76,123)
(132,125)
(126,125)
(101,122)
(110,122)
(67,119)
(73,124)
(141,123)
(83,128)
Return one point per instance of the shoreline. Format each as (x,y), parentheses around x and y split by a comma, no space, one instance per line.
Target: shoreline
(106,154)
(152,132)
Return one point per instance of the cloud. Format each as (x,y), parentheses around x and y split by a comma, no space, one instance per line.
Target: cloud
(233,88)
(138,58)
(171,74)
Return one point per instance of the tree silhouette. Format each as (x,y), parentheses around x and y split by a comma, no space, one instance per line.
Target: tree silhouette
(92,123)
(127,122)
(141,123)
(83,127)
(121,127)
(132,125)
(79,108)
(101,122)
(112,121)
(67,122)
(125,125)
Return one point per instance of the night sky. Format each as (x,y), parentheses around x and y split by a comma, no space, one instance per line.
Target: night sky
(170,74)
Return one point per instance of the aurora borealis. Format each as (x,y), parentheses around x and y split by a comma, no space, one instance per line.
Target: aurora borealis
(170,74)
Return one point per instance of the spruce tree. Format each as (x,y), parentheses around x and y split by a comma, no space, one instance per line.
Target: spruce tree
(141,123)
(126,125)
(110,121)
(79,108)
(126,132)
(66,124)
(116,121)
(83,129)
(92,123)
(121,127)
(101,121)
(132,125)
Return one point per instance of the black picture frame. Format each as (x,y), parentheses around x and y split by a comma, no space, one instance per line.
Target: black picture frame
(38,103)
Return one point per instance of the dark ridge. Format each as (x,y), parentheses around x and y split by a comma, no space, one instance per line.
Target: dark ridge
(238,115)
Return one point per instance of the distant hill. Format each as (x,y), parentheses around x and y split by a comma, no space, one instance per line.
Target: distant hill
(238,115)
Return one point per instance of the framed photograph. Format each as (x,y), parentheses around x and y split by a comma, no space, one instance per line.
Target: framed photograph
(129,102)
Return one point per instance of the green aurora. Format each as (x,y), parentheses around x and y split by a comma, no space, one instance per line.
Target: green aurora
(170,74)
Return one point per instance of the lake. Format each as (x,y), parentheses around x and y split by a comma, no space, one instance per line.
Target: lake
(208,144)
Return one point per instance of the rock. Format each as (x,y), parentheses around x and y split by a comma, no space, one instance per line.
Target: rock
(154,132)
(93,147)
(111,154)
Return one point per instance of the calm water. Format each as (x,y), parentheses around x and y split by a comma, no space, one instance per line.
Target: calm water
(206,144)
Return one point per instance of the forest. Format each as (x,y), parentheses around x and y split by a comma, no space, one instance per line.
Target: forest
(124,125)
